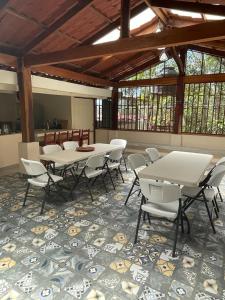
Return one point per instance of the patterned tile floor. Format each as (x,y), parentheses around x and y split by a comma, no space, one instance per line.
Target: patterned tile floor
(84,250)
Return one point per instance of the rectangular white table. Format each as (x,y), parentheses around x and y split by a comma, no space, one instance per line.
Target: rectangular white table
(184,168)
(68,157)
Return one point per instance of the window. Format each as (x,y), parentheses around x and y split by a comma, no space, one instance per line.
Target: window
(147,108)
(204,108)
(103,113)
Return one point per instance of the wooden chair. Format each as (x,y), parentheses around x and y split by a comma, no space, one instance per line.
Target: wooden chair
(85,136)
(76,136)
(62,137)
(49,138)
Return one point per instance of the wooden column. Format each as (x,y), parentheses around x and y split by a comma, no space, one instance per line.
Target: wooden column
(115,97)
(26,101)
(180,96)
(125,19)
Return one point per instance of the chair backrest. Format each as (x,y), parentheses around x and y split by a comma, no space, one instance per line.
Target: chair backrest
(216,176)
(116,155)
(159,192)
(49,138)
(33,167)
(119,142)
(136,161)
(85,136)
(48,149)
(70,145)
(63,136)
(153,154)
(75,135)
(96,161)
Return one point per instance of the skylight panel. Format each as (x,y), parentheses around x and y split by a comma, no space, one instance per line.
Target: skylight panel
(111,36)
(146,16)
(185,13)
(214,17)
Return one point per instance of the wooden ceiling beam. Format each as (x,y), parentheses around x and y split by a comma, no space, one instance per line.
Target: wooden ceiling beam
(197,7)
(163,17)
(207,50)
(75,9)
(72,75)
(5,49)
(194,34)
(125,19)
(178,60)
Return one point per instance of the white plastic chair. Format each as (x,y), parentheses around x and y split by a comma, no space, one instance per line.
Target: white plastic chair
(70,145)
(93,169)
(153,154)
(39,177)
(113,162)
(205,192)
(220,162)
(136,162)
(161,200)
(61,168)
(123,144)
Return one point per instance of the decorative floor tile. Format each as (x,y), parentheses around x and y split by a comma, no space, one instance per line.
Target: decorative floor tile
(84,250)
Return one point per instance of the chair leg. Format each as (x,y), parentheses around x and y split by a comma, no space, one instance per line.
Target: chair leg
(221,198)
(130,192)
(149,220)
(103,181)
(111,179)
(176,232)
(121,174)
(43,203)
(89,189)
(210,218)
(138,224)
(27,190)
(188,224)
(124,159)
(215,208)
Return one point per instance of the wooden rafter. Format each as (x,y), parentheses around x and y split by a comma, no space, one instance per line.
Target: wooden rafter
(196,7)
(207,78)
(9,50)
(160,13)
(152,61)
(115,24)
(72,75)
(75,9)
(125,19)
(168,38)
(207,50)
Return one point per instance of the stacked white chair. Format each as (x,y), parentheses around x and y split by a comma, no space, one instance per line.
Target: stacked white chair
(39,177)
(113,162)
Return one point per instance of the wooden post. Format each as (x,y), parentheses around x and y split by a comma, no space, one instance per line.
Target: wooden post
(180,96)
(125,19)
(115,96)
(26,101)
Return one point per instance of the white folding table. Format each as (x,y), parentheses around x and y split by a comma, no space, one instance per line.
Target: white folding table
(68,157)
(184,168)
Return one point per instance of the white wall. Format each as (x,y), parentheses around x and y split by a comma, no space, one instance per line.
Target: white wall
(83,114)
(9,149)
(200,143)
